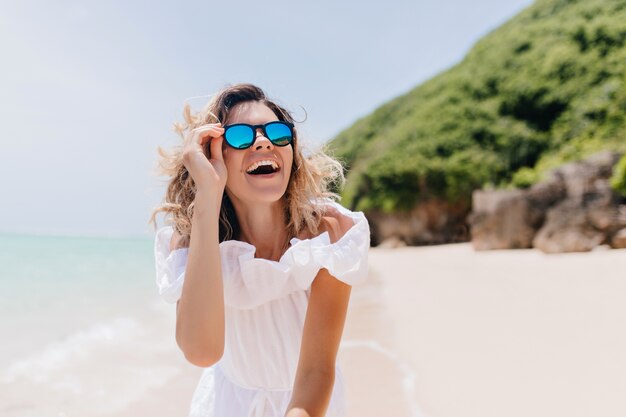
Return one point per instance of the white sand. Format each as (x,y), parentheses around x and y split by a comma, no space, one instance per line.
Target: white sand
(502,333)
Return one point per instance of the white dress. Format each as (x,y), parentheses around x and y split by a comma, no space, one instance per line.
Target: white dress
(265,306)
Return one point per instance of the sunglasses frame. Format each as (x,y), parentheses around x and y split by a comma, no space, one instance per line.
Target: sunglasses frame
(263,128)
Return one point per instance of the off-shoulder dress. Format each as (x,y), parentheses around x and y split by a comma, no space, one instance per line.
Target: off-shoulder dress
(265,306)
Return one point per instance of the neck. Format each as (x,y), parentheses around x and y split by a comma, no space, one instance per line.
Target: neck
(262,225)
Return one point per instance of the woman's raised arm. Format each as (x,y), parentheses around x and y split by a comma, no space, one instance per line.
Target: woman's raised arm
(200,309)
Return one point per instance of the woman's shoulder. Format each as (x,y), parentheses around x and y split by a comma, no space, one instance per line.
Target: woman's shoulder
(339,221)
(335,223)
(168,239)
(341,246)
(169,264)
(176,241)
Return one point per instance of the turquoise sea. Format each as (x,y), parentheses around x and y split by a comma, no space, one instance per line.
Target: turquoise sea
(68,302)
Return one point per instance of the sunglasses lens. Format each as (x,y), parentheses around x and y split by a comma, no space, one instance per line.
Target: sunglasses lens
(239,136)
(279,133)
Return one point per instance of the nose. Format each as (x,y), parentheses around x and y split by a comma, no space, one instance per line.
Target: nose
(261,141)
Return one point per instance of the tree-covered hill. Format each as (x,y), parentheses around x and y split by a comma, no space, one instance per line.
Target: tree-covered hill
(547,87)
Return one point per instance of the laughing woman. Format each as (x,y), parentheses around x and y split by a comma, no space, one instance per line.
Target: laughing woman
(259,258)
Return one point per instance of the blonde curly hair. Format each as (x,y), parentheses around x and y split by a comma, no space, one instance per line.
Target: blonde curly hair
(312,178)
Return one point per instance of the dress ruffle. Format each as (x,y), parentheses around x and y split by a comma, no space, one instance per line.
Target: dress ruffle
(170,267)
(250,281)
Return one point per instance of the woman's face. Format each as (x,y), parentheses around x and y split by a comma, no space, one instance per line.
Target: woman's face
(249,187)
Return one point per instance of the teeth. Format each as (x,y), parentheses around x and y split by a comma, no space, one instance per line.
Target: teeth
(263,162)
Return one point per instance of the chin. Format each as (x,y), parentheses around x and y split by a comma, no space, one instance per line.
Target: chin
(267,198)
(269,193)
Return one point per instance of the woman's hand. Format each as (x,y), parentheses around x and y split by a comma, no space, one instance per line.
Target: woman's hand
(208,174)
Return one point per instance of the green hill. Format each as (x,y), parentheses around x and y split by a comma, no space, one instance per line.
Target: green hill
(545,88)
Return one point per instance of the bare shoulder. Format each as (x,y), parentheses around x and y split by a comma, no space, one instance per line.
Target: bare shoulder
(176,241)
(335,223)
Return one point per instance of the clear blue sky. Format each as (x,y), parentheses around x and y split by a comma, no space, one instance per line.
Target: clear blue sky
(90,89)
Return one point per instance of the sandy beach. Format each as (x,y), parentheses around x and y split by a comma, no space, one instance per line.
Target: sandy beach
(444,331)
(438,331)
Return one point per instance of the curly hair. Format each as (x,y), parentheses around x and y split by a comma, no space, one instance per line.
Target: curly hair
(311,179)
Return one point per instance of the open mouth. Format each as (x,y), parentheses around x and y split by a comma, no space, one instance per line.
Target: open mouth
(265,167)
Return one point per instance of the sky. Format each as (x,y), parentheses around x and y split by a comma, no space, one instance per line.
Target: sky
(89,90)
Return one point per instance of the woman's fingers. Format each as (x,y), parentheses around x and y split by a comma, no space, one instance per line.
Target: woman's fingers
(216,148)
(203,134)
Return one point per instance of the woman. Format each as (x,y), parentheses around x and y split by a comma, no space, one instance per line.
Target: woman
(260,260)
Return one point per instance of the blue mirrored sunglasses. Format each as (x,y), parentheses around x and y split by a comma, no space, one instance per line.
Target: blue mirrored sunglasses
(242,136)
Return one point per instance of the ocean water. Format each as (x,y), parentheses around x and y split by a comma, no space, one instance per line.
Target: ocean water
(79,318)
(53,286)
